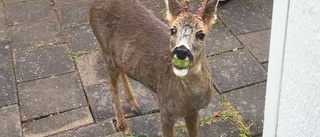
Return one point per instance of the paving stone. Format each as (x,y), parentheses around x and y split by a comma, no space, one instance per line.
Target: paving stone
(42,63)
(8,94)
(6,2)
(91,68)
(258,44)
(10,121)
(148,125)
(3,27)
(244,19)
(265,66)
(234,3)
(220,40)
(58,123)
(249,102)
(29,11)
(93,72)
(50,95)
(64,2)
(100,102)
(214,106)
(71,16)
(118,134)
(82,38)
(36,35)
(5,56)
(155,9)
(95,130)
(217,129)
(235,69)
(266,5)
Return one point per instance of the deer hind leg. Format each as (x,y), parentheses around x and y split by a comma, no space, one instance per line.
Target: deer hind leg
(192,124)
(130,99)
(121,122)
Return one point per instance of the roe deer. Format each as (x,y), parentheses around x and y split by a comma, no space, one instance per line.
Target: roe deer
(135,43)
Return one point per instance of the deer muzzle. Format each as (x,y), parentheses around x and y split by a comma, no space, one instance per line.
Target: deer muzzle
(181,57)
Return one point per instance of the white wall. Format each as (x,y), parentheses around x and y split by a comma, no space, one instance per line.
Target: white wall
(293,87)
(299,107)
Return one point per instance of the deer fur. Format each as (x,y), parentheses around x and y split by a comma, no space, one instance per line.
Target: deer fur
(136,44)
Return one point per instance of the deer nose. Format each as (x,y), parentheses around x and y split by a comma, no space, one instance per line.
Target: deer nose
(182,52)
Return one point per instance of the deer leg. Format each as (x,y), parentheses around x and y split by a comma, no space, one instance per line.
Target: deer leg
(121,123)
(130,99)
(167,125)
(192,124)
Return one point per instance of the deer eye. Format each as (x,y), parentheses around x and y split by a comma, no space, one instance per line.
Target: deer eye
(173,31)
(200,35)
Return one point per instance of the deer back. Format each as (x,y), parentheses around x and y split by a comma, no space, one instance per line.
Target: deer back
(136,41)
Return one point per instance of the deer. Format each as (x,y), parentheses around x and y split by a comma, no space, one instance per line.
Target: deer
(136,44)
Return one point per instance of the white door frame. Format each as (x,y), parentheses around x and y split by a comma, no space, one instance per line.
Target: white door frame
(275,66)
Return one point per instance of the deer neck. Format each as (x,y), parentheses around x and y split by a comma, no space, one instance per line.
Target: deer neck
(197,84)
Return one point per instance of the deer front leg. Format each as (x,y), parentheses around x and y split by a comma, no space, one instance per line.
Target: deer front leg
(167,125)
(121,122)
(128,94)
(192,124)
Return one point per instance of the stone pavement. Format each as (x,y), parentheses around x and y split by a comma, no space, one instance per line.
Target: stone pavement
(53,81)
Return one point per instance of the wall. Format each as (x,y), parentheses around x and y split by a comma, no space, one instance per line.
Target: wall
(299,106)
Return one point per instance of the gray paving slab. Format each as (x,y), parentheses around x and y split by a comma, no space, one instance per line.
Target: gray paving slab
(6,2)
(266,6)
(156,10)
(8,93)
(81,38)
(258,44)
(5,56)
(217,129)
(234,3)
(244,19)
(148,125)
(118,134)
(214,106)
(71,16)
(30,11)
(235,69)
(100,102)
(91,68)
(265,66)
(10,125)
(249,102)
(93,72)
(58,123)
(42,63)
(50,95)
(3,26)
(65,2)
(95,130)
(143,96)
(220,40)
(36,35)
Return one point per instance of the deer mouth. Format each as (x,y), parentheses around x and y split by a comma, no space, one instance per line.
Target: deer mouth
(181,58)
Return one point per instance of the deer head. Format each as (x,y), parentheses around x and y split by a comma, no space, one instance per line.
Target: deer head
(188,32)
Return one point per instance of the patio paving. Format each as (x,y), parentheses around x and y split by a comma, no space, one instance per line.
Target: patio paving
(53,80)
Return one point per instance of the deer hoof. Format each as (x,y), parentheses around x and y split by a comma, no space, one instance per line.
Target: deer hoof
(137,112)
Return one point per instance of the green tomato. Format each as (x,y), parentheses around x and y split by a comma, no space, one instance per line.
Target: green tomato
(180,63)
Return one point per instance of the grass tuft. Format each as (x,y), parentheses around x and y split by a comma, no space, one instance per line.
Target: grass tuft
(74,54)
(233,114)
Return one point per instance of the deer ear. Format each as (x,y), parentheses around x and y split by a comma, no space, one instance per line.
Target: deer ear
(173,8)
(209,14)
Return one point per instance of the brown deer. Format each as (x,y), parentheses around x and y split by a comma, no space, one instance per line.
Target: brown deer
(135,43)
